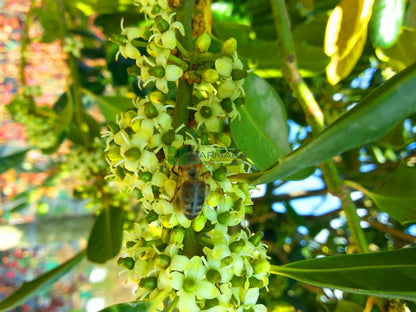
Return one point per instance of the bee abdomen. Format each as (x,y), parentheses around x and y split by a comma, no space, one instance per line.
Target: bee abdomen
(193,198)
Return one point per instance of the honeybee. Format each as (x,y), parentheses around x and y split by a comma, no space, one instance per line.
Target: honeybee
(191,189)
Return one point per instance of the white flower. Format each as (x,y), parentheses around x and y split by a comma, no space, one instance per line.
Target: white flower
(210,114)
(166,38)
(188,278)
(250,301)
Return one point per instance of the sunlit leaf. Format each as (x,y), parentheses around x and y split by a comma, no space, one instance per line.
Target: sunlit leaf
(390,274)
(33,287)
(110,106)
(345,37)
(262,132)
(106,235)
(366,122)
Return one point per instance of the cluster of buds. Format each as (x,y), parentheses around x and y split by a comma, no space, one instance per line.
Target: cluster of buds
(192,250)
(40,121)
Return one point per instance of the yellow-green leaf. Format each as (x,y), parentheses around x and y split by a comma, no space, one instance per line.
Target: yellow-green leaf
(345,36)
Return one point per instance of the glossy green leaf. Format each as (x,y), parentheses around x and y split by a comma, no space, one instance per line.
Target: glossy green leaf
(10,161)
(368,121)
(390,274)
(128,307)
(262,132)
(348,306)
(397,195)
(31,288)
(110,106)
(106,235)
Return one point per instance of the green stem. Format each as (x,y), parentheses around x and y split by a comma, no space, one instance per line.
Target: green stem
(176,60)
(184,96)
(182,49)
(314,117)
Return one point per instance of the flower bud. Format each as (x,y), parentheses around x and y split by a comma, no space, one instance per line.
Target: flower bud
(227,105)
(161,24)
(261,266)
(224,66)
(177,236)
(256,238)
(210,75)
(127,263)
(114,154)
(237,246)
(132,154)
(229,47)
(202,43)
(149,283)
(162,261)
(150,110)
(168,137)
(199,222)
(213,276)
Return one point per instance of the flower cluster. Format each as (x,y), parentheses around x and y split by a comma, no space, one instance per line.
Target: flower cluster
(40,121)
(191,250)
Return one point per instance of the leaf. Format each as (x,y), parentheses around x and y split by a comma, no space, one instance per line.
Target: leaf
(262,132)
(110,106)
(390,274)
(348,306)
(345,37)
(401,54)
(366,122)
(128,307)
(31,288)
(106,235)
(12,160)
(397,195)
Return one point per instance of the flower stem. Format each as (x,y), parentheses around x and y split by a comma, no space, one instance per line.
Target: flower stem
(314,118)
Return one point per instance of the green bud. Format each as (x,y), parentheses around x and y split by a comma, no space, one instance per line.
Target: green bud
(224,138)
(114,128)
(127,263)
(145,176)
(206,111)
(256,238)
(161,24)
(114,154)
(202,43)
(237,246)
(156,9)
(210,75)
(130,244)
(238,74)
(225,217)
(162,261)
(213,276)
(189,285)
(261,266)
(168,137)
(240,101)
(229,47)
(238,281)
(220,173)
(157,71)
(149,283)
(255,283)
(151,216)
(132,154)
(227,105)
(150,110)
(199,223)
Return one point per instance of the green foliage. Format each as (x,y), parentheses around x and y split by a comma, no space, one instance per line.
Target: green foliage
(127,307)
(106,235)
(10,161)
(35,286)
(110,106)
(261,132)
(389,274)
(369,120)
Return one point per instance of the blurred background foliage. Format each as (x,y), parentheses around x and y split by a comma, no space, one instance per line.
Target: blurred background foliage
(60,77)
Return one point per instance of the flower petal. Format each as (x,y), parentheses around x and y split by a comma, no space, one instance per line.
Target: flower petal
(206,290)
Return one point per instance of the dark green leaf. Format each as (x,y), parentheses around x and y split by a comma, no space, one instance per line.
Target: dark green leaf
(31,288)
(110,106)
(368,121)
(12,160)
(128,307)
(397,195)
(106,235)
(390,274)
(262,132)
